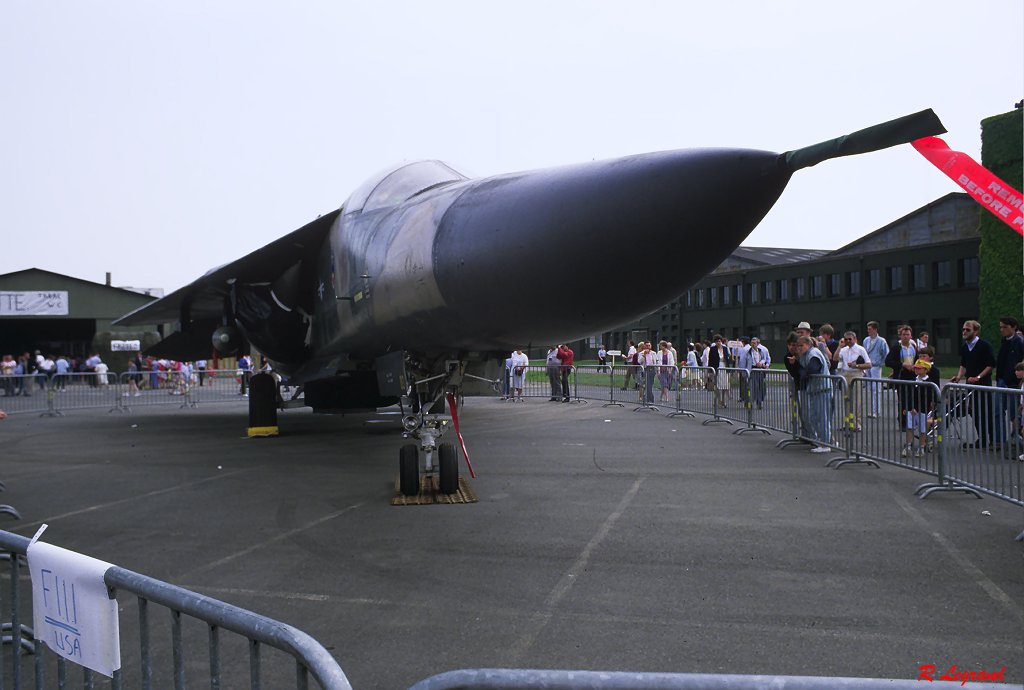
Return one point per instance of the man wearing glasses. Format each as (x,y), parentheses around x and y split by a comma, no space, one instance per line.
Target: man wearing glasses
(977,360)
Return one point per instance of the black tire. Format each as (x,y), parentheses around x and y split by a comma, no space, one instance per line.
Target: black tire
(409,470)
(448,464)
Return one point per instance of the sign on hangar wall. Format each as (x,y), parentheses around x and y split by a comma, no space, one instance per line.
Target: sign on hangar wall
(53,303)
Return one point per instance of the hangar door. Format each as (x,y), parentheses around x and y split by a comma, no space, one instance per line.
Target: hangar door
(51,336)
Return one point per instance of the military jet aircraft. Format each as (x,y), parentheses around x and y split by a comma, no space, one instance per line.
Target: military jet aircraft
(424,270)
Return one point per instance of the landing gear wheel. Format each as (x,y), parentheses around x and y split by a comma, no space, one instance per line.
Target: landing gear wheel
(448,463)
(409,470)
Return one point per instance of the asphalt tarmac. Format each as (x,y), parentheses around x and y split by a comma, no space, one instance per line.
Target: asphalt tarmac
(604,539)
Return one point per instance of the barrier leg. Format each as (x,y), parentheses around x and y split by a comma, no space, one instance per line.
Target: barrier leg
(612,402)
(795,438)
(51,406)
(576,389)
(945,484)
(849,427)
(647,393)
(716,402)
(750,419)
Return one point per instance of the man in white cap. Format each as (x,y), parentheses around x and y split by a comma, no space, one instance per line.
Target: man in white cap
(804,329)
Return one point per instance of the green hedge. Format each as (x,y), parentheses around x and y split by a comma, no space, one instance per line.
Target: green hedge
(1001,255)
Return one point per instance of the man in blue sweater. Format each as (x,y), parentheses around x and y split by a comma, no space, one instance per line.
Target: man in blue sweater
(977,361)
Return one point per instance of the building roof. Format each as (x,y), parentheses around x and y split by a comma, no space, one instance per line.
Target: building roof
(954,216)
(950,217)
(771,256)
(28,273)
(87,299)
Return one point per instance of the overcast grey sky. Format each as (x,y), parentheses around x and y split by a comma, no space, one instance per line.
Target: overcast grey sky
(155,140)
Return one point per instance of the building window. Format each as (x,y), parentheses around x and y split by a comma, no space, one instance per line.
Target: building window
(739,294)
(754,293)
(835,285)
(942,336)
(783,287)
(918,277)
(800,288)
(700,298)
(713,297)
(817,287)
(726,295)
(943,274)
(969,272)
(874,279)
(895,277)
(769,291)
(853,283)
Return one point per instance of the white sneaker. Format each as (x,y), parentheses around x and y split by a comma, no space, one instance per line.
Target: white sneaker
(821,449)
(905,453)
(919,453)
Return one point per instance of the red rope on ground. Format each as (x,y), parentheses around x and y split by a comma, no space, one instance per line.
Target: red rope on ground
(462,441)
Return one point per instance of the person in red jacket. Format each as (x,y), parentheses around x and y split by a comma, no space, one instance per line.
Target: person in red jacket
(565,359)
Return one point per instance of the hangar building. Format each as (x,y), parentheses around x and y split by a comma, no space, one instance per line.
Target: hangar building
(59,314)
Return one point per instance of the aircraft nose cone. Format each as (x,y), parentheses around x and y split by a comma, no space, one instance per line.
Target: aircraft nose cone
(600,242)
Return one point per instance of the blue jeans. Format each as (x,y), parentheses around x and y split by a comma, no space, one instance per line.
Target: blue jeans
(819,414)
(874,390)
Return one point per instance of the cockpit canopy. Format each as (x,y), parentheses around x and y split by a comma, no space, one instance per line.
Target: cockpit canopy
(398,184)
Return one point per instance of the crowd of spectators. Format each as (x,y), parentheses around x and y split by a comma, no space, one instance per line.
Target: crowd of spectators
(29,373)
(810,357)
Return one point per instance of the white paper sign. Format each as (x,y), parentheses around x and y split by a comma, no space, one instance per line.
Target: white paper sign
(34,303)
(71,611)
(125,346)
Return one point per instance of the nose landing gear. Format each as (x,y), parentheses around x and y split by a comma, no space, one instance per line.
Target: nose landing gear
(439,460)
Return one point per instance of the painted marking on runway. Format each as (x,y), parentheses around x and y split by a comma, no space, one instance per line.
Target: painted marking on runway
(273,540)
(541,619)
(973,571)
(111,504)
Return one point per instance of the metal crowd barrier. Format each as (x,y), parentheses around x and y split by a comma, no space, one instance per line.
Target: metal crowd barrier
(51,396)
(183,389)
(697,394)
(523,679)
(541,381)
(626,386)
(768,401)
(896,422)
(31,664)
(592,382)
(21,393)
(217,385)
(982,443)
